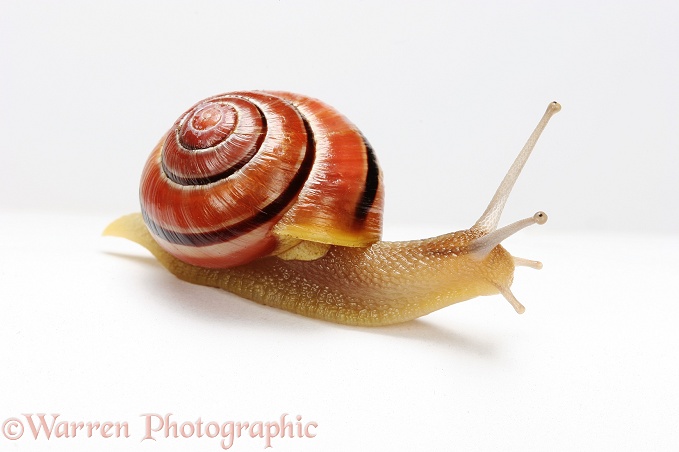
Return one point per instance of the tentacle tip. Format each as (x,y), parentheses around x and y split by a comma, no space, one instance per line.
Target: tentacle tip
(520,309)
(540,217)
(555,107)
(520,262)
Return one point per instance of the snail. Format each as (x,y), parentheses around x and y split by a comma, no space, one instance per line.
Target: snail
(278,198)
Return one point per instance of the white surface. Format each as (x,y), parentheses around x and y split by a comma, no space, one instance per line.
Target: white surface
(447,93)
(95,330)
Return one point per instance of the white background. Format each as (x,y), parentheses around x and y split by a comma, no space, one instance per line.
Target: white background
(447,92)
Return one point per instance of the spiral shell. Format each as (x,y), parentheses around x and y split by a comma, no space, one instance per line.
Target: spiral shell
(246,174)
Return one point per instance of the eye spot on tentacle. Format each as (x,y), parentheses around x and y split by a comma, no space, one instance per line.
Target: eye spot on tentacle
(540,217)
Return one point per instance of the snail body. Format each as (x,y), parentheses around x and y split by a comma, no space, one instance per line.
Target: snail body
(315,251)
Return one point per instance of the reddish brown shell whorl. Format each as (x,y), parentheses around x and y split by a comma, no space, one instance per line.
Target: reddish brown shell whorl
(239,172)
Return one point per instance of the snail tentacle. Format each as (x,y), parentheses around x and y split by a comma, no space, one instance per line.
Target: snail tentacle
(491,216)
(480,247)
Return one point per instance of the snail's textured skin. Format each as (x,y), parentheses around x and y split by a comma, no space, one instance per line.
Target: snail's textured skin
(386,283)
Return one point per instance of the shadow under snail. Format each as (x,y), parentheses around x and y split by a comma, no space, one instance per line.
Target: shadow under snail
(278,198)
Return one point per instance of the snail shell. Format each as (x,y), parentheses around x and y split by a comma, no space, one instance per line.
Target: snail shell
(249,174)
